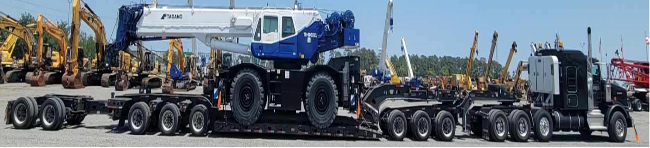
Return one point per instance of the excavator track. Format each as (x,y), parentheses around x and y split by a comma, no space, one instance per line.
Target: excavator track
(178,85)
(15,75)
(36,78)
(152,82)
(53,77)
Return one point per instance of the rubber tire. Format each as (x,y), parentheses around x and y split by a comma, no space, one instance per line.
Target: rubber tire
(175,117)
(30,118)
(247,117)
(629,106)
(36,111)
(199,109)
(536,120)
(63,112)
(390,128)
(637,106)
(514,118)
(147,115)
(494,116)
(324,81)
(440,117)
(58,119)
(611,127)
(415,124)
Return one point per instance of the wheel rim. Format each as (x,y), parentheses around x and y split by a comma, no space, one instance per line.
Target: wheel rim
(544,126)
(137,119)
(447,127)
(500,127)
(322,101)
(48,115)
(398,126)
(620,128)
(168,120)
(629,105)
(20,115)
(523,127)
(197,121)
(246,97)
(423,126)
(638,105)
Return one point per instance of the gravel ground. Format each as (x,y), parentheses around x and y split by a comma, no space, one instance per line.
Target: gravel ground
(98,130)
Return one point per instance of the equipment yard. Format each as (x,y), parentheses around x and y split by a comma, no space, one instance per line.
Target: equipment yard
(99,130)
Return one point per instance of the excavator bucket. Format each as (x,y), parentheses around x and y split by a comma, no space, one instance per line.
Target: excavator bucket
(36,78)
(72,81)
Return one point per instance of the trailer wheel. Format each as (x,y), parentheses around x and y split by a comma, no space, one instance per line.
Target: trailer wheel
(169,119)
(637,105)
(420,125)
(629,106)
(36,111)
(199,120)
(445,126)
(139,115)
(247,97)
(63,111)
(322,100)
(519,126)
(23,113)
(51,118)
(498,128)
(396,126)
(543,127)
(617,127)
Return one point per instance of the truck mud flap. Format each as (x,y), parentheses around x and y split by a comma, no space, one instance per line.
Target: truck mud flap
(8,114)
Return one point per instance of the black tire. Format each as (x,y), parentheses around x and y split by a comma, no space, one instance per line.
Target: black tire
(139,118)
(397,125)
(199,120)
(51,118)
(63,111)
(247,97)
(445,126)
(636,104)
(36,111)
(168,119)
(23,114)
(322,100)
(543,127)
(498,127)
(420,125)
(519,126)
(629,106)
(617,127)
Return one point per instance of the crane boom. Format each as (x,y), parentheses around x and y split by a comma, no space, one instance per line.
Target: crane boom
(278,34)
(468,82)
(387,24)
(408,61)
(504,71)
(492,48)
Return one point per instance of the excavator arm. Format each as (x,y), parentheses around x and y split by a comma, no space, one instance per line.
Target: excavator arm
(92,20)
(12,26)
(7,49)
(178,45)
(45,25)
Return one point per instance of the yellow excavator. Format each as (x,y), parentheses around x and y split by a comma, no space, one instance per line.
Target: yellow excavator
(140,70)
(48,73)
(74,78)
(11,25)
(7,62)
(176,78)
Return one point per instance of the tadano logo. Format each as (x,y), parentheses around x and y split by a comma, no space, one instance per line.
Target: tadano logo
(171,16)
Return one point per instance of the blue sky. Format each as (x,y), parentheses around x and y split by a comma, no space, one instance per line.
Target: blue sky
(436,27)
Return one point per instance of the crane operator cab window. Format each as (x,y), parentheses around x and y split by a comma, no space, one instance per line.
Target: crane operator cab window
(270,31)
(287,27)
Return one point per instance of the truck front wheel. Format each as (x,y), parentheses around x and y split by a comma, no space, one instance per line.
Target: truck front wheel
(246,96)
(617,127)
(543,126)
(321,103)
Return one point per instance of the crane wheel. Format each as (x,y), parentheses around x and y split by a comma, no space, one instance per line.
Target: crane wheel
(519,126)
(247,97)
(199,120)
(139,118)
(396,126)
(420,125)
(322,100)
(169,119)
(53,114)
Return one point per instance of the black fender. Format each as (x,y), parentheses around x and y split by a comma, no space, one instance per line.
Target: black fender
(617,107)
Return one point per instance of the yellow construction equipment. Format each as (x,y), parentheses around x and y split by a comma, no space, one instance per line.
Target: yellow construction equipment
(176,76)
(504,71)
(483,81)
(12,26)
(466,80)
(48,74)
(394,79)
(6,49)
(141,69)
(73,78)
